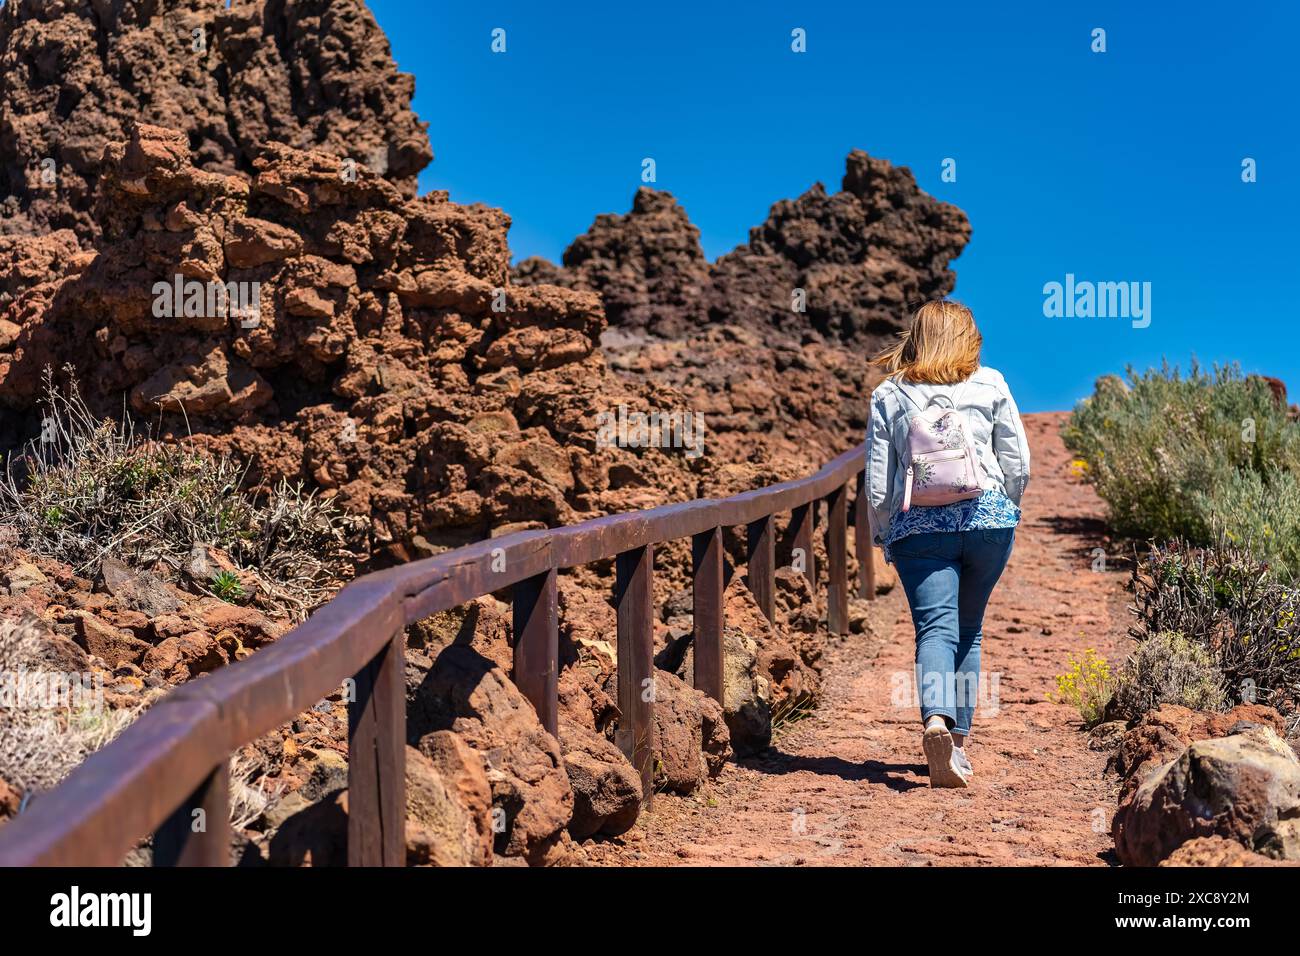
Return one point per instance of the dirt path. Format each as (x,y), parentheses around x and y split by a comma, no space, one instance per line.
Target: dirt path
(848,786)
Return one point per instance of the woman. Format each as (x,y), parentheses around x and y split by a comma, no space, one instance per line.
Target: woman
(949,556)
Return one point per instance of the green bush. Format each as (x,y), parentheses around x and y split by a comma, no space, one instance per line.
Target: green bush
(1258,511)
(1196,457)
(1167,668)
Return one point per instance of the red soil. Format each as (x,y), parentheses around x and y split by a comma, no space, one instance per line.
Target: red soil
(848,786)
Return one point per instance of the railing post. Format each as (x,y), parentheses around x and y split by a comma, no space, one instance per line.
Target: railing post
(802,521)
(707,597)
(537,640)
(198,831)
(837,605)
(762,564)
(862,542)
(634,599)
(377,760)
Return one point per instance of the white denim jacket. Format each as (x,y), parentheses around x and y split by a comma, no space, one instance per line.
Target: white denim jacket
(995,427)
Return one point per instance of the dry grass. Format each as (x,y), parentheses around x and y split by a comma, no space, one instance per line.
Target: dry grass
(39,745)
(1167,668)
(251,794)
(88,489)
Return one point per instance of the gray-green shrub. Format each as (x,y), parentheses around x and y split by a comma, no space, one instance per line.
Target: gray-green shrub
(1194,456)
(1167,668)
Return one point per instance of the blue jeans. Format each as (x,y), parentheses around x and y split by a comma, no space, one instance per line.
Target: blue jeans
(948,577)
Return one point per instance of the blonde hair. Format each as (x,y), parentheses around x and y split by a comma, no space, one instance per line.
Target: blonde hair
(941,346)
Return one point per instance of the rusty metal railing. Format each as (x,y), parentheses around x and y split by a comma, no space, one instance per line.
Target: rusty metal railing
(173,761)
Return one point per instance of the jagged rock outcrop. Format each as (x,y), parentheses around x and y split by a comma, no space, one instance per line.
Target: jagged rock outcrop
(389,363)
(772,339)
(648,266)
(862,258)
(865,257)
(76,75)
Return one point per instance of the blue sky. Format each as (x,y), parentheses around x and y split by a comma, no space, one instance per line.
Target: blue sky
(1115,166)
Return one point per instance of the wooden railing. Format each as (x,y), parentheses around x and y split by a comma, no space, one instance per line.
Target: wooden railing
(168,772)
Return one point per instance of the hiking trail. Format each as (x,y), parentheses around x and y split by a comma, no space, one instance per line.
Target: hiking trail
(848,785)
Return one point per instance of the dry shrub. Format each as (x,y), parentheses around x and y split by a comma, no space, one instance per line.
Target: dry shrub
(39,746)
(251,793)
(1167,668)
(1196,457)
(1224,599)
(88,489)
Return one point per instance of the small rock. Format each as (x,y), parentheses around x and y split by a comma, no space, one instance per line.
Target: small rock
(24,575)
(111,645)
(1106,736)
(137,590)
(606,787)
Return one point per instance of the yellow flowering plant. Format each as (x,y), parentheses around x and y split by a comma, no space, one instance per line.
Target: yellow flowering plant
(1086,686)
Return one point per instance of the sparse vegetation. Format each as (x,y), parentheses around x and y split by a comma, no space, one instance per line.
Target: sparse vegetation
(1086,686)
(791,710)
(251,793)
(40,745)
(1167,668)
(1224,599)
(1196,457)
(225,585)
(90,488)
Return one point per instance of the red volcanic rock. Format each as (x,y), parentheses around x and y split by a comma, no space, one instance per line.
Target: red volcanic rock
(464,692)
(77,75)
(606,788)
(114,646)
(769,343)
(388,360)
(1164,733)
(1218,851)
(688,738)
(648,266)
(863,258)
(1245,787)
(449,803)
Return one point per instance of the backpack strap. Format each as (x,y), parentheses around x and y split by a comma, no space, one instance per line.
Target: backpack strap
(951,400)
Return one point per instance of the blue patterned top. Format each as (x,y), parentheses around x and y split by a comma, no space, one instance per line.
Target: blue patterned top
(990,510)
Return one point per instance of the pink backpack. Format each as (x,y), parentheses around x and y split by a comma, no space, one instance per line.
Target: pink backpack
(941,463)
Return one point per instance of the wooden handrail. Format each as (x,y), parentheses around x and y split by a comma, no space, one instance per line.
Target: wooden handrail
(167,772)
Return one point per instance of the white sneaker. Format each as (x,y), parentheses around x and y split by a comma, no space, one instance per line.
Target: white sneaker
(938,747)
(962,761)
